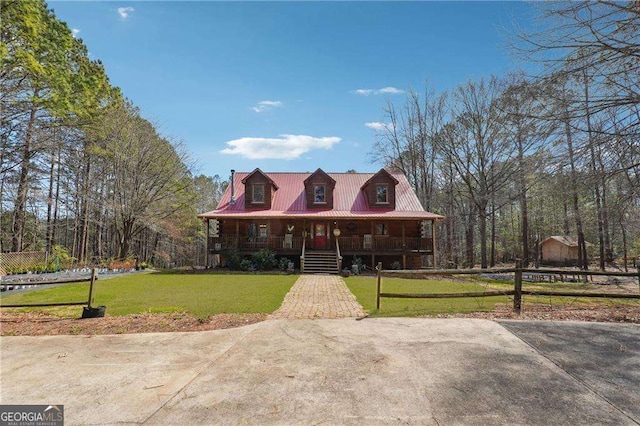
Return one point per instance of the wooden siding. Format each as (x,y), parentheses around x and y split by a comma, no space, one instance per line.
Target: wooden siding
(555,251)
(258,179)
(355,236)
(371,194)
(319,177)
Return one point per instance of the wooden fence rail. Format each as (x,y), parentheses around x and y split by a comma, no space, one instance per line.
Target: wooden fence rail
(517,292)
(87,302)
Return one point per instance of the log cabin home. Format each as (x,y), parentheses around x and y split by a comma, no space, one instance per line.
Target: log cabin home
(321,221)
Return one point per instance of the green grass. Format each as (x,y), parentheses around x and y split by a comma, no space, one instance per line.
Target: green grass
(200,295)
(364,288)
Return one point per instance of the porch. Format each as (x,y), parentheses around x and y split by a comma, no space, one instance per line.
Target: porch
(407,241)
(356,245)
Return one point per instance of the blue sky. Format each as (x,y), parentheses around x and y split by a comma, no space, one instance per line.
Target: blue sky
(287,86)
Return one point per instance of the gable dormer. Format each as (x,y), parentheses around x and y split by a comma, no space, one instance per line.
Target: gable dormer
(318,190)
(259,190)
(380,191)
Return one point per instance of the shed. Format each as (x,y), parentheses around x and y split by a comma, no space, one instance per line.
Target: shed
(560,250)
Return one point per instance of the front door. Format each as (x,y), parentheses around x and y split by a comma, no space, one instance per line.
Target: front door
(320,236)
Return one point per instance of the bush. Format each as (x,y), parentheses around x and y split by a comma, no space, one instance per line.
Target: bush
(233,258)
(283,264)
(357,265)
(396,265)
(245,265)
(265,259)
(65,260)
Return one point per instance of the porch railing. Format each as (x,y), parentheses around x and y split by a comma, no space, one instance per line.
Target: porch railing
(347,244)
(304,245)
(278,243)
(384,244)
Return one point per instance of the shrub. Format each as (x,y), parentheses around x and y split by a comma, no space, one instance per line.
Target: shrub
(245,265)
(265,259)
(233,258)
(396,265)
(357,265)
(283,264)
(65,260)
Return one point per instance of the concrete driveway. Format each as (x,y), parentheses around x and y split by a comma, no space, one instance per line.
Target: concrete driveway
(343,371)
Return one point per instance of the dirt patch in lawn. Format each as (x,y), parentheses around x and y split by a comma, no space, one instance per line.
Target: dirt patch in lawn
(43,324)
(543,312)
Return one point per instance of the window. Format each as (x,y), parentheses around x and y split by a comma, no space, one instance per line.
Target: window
(319,194)
(381,229)
(262,231)
(257,231)
(381,194)
(258,194)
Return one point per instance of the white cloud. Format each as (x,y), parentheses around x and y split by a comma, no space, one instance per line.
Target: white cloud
(285,147)
(389,90)
(266,106)
(363,92)
(383,91)
(75,32)
(125,11)
(376,125)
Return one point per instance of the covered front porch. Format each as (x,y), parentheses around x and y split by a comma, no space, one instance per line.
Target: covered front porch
(294,236)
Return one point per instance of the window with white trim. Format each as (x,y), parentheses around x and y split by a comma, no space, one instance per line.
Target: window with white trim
(319,194)
(382,229)
(257,193)
(382,194)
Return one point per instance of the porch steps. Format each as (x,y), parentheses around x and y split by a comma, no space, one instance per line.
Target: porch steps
(320,262)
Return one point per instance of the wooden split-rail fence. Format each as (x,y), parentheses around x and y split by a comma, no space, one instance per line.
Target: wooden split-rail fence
(517,291)
(87,302)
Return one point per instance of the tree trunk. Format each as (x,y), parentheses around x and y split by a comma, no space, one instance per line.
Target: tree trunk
(470,261)
(582,253)
(594,170)
(125,239)
(565,222)
(483,237)
(54,229)
(492,261)
(523,204)
(624,245)
(84,211)
(49,234)
(19,214)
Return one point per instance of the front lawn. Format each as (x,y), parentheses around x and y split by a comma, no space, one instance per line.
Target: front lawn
(201,295)
(364,288)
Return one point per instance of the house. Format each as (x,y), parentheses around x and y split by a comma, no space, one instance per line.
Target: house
(321,219)
(560,250)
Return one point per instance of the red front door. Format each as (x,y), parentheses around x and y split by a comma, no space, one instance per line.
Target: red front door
(320,236)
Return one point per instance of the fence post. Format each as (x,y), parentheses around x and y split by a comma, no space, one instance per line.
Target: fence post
(517,297)
(93,279)
(379,269)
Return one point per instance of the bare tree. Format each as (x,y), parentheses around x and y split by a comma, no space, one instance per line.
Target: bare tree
(478,149)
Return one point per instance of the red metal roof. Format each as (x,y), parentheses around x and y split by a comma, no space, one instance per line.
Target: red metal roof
(348,199)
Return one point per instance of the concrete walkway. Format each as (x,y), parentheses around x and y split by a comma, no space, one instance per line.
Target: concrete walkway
(334,372)
(319,296)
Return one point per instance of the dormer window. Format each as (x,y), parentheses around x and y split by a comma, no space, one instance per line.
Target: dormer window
(382,194)
(257,193)
(319,194)
(380,190)
(318,190)
(259,190)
